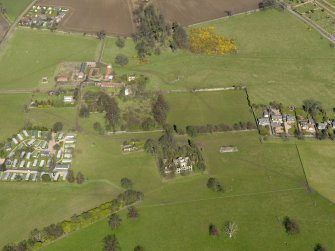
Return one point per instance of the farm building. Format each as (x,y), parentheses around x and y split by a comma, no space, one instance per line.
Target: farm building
(263,121)
(62,80)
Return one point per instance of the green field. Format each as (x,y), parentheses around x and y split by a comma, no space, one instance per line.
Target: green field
(279,58)
(202,108)
(14,7)
(319,163)
(31,55)
(263,183)
(14,117)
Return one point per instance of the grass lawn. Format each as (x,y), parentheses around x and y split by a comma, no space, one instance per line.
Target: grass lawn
(14,7)
(279,58)
(204,108)
(31,55)
(12,116)
(319,163)
(25,206)
(262,185)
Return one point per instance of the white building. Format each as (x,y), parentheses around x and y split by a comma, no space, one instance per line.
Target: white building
(68,100)
(182,165)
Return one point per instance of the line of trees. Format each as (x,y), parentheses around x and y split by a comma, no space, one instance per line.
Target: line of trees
(159,109)
(195,130)
(39,237)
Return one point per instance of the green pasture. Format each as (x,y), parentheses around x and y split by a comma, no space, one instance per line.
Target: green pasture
(14,7)
(319,163)
(263,183)
(31,55)
(202,108)
(27,205)
(279,58)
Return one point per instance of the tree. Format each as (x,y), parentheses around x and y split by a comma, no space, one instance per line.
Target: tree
(111,243)
(147,124)
(97,127)
(80,178)
(214,185)
(9,247)
(265,4)
(126,183)
(230,228)
(319,247)
(114,221)
(132,212)
(37,235)
(120,42)
(311,106)
(84,112)
(121,60)
(46,177)
(180,36)
(291,226)
(70,176)
(213,230)
(112,113)
(151,146)
(139,248)
(58,126)
(101,35)
(159,109)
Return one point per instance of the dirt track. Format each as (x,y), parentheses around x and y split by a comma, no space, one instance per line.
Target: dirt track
(112,16)
(115,16)
(189,12)
(4,26)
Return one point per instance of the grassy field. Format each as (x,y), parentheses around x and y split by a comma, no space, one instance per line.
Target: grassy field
(288,64)
(14,7)
(258,195)
(204,108)
(31,55)
(12,116)
(49,203)
(319,164)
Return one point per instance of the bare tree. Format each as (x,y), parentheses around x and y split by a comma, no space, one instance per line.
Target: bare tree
(230,228)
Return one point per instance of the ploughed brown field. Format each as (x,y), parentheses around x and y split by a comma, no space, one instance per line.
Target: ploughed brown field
(112,16)
(189,12)
(3,26)
(115,16)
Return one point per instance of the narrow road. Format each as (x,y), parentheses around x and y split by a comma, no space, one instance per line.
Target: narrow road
(13,26)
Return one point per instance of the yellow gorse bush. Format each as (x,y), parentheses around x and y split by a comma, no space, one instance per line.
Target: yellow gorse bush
(204,40)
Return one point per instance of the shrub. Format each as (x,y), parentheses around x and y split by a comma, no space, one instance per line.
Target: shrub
(120,42)
(291,226)
(46,177)
(121,60)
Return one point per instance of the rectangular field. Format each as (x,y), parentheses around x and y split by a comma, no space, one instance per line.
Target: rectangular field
(189,12)
(112,16)
(14,7)
(202,108)
(258,194)
(31,55)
